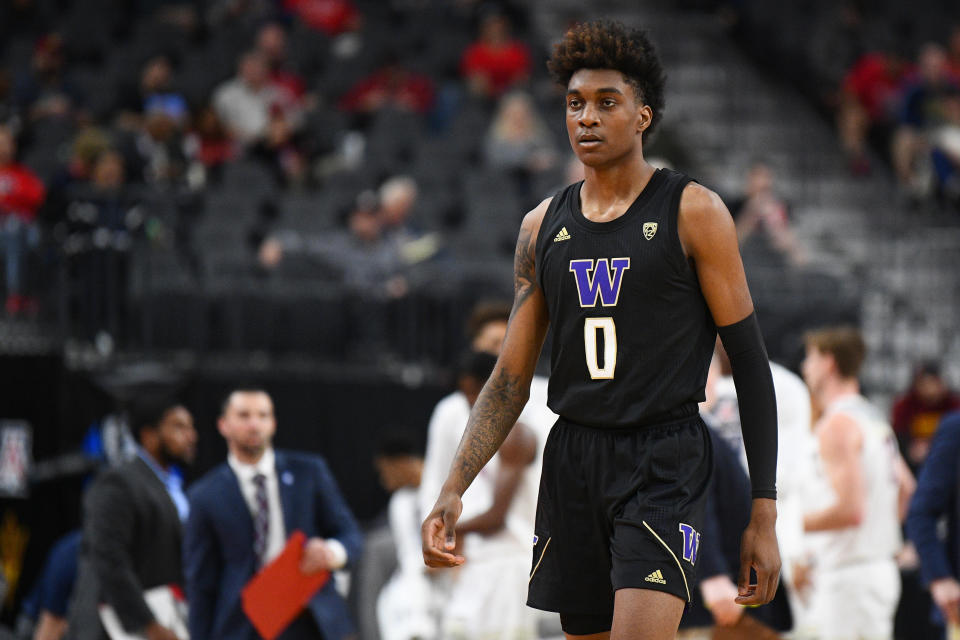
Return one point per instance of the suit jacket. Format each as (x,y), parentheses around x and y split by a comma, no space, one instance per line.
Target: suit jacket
(937,495)
(219,558)
(131,542)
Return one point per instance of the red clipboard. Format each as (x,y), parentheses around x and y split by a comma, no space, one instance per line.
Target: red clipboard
(279,592)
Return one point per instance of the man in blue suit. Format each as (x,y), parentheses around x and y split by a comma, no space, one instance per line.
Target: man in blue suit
(241,514)
(938,495)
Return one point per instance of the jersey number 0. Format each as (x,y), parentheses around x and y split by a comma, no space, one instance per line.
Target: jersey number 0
(599,279)
(590,328)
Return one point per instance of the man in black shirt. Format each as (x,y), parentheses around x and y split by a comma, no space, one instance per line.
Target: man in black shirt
(637,269)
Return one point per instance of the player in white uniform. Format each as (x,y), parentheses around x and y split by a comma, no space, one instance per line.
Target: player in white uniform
(499,509)
(721,411)
(858,499)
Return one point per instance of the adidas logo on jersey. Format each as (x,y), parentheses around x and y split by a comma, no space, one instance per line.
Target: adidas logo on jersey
(657,577)
(563,235)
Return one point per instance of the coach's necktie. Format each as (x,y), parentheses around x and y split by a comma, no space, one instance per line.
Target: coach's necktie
(261,518)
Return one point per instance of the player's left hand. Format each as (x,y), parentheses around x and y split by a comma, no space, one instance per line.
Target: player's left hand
(438,532)
(759,551)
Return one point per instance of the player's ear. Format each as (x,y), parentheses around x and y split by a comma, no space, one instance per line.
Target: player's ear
(644,118)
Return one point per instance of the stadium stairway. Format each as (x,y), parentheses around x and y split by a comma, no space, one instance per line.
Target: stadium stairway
(898,265)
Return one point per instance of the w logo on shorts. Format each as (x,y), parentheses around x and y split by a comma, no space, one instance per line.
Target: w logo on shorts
(691,543)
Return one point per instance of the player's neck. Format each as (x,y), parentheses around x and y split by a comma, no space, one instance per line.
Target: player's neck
(837,388)
(606,187)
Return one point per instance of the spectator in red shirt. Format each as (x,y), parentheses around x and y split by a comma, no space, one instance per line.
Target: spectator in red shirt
(869,99)
(21,194)
(272,45)
(391,86)
(208,144)
(332,17)
(917,412)
(953,52)
(495,63)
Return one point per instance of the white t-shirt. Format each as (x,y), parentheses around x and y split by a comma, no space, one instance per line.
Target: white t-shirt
(878,536)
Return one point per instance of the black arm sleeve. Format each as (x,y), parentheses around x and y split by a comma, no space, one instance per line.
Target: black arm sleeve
(758,404)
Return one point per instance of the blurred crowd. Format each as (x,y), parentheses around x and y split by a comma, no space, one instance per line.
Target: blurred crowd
(159,126)
(888,75)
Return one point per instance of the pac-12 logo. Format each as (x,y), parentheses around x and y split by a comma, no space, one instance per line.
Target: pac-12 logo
(599,278)
(691,543)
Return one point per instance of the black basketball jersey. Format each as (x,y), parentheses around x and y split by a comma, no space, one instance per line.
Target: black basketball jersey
(632,334)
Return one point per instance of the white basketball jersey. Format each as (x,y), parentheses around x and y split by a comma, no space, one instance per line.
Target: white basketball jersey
(877,537)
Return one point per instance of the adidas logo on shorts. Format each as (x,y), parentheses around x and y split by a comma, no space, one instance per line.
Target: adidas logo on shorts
(657,577)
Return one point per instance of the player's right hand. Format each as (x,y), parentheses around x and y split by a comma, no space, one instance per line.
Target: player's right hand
(438,533)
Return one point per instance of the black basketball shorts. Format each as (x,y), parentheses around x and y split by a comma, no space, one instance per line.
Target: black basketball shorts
(618,509)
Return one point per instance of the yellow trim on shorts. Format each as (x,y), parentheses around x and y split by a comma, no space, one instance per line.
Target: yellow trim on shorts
(675,559)
(542,553)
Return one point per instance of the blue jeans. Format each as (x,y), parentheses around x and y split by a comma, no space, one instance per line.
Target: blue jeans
(16,238)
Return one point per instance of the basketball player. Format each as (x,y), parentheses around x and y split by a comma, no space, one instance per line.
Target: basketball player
(863,488)
(635,268)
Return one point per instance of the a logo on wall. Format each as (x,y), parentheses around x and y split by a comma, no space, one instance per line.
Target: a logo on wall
(15,445)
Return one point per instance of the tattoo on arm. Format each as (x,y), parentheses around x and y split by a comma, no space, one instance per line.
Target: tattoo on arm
(504,395)
(524,269)
(491,419)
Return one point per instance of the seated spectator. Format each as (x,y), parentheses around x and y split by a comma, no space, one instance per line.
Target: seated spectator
(272,45)
(917,412)
(156,153)
(44,90)
(258,117)
(21,194)
(391,86)
(397,196)
(953,52)
(82,153)
(102,218)
(922,112)
(208,143)
(332,17)
(868,102)
(495,62)
(365,261)
(763,216)
(518,141)
(244,103)
(945,151)
(154,88)
(8,110)
(411,245)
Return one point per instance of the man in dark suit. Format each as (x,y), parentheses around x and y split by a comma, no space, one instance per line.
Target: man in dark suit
(241,514)
(938,496)
(133,524)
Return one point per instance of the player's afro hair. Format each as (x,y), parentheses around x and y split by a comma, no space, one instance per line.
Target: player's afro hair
(602,44)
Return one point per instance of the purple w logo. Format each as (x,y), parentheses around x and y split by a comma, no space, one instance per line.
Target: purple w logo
(601,283)
(691,543)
